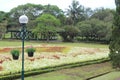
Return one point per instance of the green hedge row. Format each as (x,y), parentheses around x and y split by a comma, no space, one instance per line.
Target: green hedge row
(53,68)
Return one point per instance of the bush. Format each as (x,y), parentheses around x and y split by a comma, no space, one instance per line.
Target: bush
(115,59)
(69,33)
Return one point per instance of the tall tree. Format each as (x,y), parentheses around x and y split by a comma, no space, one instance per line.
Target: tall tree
(75,12)
(115,39)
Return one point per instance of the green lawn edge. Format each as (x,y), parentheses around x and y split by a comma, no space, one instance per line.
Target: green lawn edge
(53,68)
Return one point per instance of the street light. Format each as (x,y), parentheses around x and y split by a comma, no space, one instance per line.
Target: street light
(23,21)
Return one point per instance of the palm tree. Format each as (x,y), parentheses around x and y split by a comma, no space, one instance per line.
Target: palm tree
(75,12)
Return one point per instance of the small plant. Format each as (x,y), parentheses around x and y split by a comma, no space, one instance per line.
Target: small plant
(15,53)
(30,50)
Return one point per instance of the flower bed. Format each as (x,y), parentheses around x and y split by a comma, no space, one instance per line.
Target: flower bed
(49,56)
(39,49)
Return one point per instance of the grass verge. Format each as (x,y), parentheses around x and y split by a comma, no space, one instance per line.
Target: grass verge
(18,43)
(76,73)
(110,76)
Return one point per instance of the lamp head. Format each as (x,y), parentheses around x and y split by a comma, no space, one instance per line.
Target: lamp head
(23,19)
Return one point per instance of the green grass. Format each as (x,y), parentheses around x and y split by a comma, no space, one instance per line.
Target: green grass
(19,43)
(78,73)
(111,76)
(52,76)
(15,43)
(8,35)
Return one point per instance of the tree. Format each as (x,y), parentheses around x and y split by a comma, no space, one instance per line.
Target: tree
(2,16)
(31,10)
(46,23)
(85,29)
(88,13)
(3,24)
(55,11)
(103,14)
(115,39)
(94,29)
(75,12)
(69,32)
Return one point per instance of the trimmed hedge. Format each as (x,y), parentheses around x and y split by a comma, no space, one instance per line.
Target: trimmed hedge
(53,68)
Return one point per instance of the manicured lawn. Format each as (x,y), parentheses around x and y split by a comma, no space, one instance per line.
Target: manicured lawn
(78,73)
(111,76)
(14,43)
(18,43)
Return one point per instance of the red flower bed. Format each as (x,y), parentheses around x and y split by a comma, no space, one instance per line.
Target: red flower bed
(55,49)
(38,49)
(50,49)
(5,49)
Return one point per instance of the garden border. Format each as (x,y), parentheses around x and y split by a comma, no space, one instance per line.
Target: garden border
(53,68)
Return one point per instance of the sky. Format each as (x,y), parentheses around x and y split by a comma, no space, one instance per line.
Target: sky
(7,5)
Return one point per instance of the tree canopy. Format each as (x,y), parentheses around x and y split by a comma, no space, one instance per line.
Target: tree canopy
(91,24)
(115,38)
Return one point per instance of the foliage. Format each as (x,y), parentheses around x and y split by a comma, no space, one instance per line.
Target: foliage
(69,33)
(95,29)
(115,39)
(103,14)
(46,20)
(3,24)
(30,49)
(2,16)
(31,10)
(46,24)
(15,52)
(75,12)
(52,10)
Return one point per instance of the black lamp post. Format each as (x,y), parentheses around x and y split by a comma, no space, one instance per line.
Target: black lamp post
(23,21)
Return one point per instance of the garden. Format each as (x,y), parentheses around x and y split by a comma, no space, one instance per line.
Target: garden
(70,45)
(49,57)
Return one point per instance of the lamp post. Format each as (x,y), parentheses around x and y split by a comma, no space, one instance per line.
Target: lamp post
(23,21)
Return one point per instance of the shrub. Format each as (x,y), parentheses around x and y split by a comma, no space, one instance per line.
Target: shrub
(15,52)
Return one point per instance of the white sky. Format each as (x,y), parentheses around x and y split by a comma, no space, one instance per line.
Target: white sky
(7,5)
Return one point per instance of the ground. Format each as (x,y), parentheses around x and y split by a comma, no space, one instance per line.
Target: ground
(78,73)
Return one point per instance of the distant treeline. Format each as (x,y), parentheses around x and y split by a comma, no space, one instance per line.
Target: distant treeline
(76,23)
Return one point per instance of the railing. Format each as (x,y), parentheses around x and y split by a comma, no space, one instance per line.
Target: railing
(14,34)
